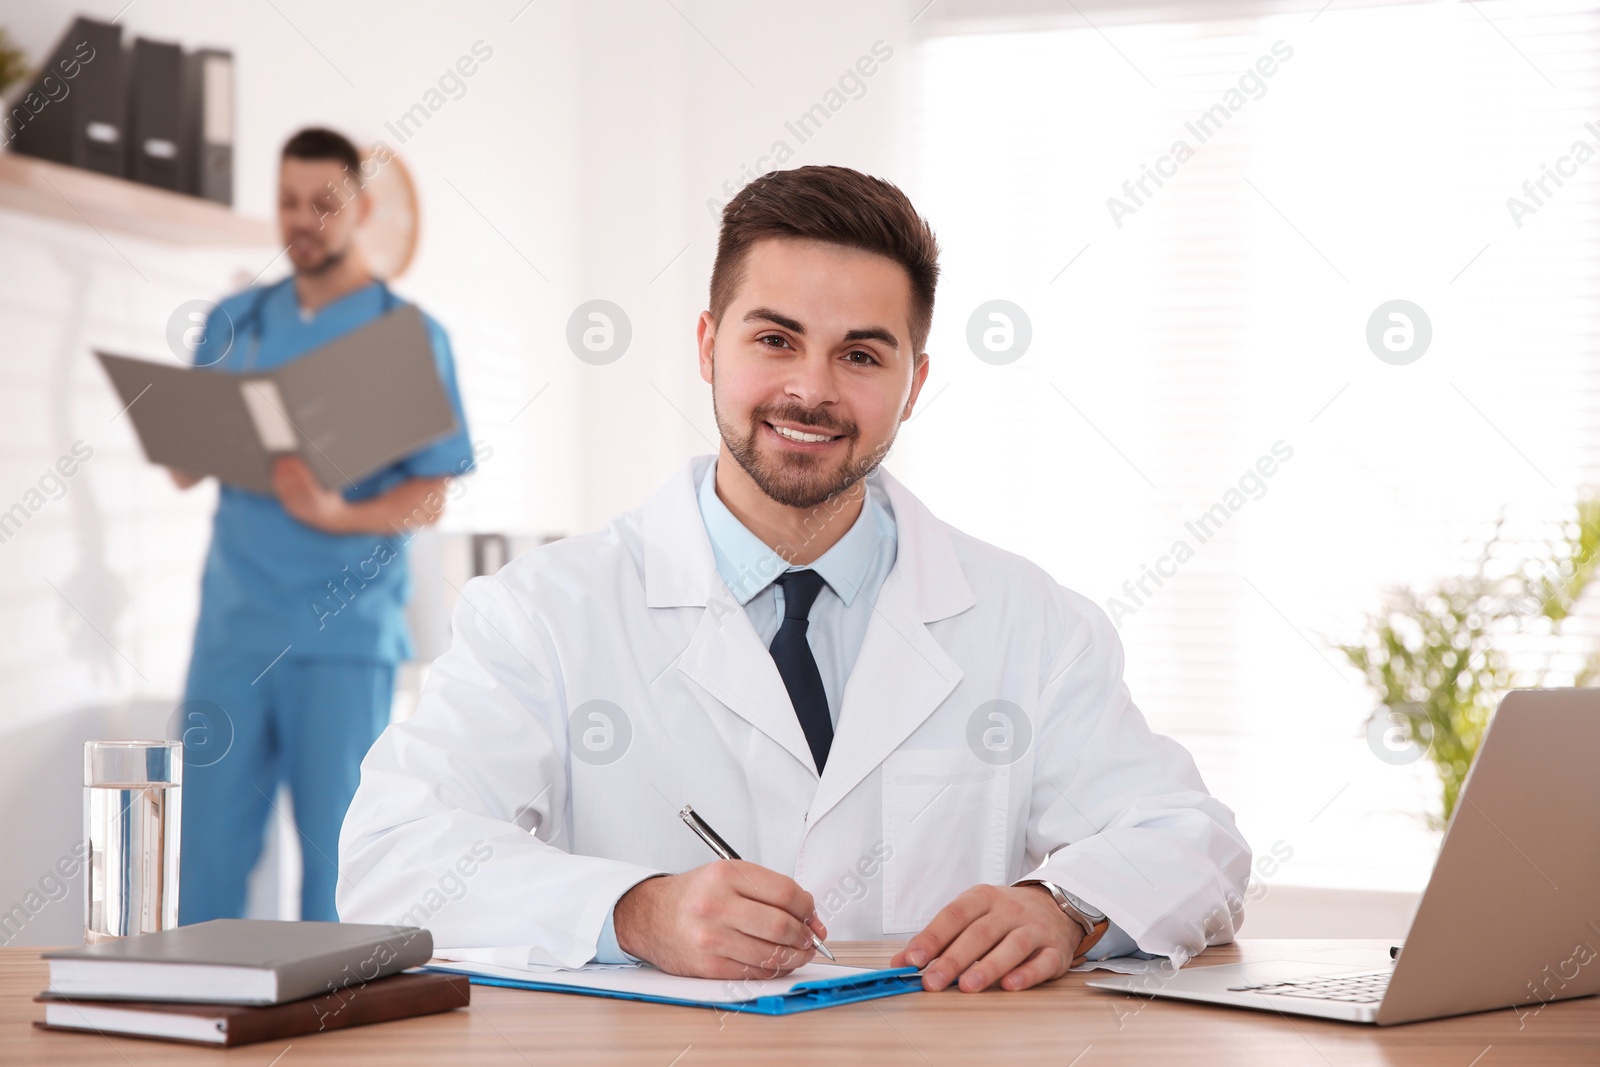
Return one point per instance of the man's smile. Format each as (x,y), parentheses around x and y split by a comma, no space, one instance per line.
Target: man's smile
(802,438)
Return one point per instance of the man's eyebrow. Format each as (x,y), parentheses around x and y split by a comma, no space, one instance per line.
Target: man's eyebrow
(768,315)
(874,333)
(866,333)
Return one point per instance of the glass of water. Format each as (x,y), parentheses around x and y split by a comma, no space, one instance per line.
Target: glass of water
(132,815)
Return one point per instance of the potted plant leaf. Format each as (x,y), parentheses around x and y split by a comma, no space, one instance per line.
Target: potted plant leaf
(1440,659)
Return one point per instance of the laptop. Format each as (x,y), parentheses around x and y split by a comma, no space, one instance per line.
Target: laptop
(1511,914)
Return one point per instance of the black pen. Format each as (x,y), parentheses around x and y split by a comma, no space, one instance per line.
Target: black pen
(705,833)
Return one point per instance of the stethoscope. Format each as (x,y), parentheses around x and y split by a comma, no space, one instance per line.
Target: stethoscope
(251,322)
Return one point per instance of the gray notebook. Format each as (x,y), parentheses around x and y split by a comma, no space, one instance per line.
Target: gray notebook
(238,961)
(348,408)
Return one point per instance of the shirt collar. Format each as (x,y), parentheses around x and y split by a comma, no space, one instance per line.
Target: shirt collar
(355,299)
(748,565)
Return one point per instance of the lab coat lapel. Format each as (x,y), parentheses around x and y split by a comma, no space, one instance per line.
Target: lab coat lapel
(727,660)
(725,656)
(902,672)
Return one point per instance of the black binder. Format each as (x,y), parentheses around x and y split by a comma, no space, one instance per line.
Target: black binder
(208,123)
(87,125)
(158,152)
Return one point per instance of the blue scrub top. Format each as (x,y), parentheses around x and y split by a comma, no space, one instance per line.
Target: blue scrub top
(273,584)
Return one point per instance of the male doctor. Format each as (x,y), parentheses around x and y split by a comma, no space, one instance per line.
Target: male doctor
(902,730)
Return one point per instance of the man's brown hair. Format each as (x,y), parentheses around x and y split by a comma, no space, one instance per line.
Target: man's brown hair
(837,205)
(315,142)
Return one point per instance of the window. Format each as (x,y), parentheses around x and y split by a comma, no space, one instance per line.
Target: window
(1196,312)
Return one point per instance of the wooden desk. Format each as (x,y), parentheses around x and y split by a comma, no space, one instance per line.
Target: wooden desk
(1061,1024)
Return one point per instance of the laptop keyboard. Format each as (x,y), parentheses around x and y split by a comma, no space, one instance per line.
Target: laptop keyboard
(1366,987)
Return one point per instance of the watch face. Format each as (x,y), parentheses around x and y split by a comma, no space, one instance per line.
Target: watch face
(1092,913)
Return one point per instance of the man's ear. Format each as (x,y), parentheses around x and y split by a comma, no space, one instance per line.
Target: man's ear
(705,333)
(919,375)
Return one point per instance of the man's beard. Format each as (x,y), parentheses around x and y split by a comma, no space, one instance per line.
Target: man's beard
(329,261)
(792,479)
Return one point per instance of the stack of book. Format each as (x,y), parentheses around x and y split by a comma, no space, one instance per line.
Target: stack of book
(236,981)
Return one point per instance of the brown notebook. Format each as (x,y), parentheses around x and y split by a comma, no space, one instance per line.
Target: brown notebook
(399,996)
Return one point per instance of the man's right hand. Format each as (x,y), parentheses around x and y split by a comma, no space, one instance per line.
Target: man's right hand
(729,919)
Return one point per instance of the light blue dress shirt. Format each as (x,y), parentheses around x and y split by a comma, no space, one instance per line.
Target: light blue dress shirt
(854,570)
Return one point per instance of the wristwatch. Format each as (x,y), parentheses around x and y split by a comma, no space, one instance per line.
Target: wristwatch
(1086,915)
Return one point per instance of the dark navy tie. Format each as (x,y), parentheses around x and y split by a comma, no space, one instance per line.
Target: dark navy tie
(798,667)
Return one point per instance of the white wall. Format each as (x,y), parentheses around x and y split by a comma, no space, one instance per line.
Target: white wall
(585,149)
(676,110)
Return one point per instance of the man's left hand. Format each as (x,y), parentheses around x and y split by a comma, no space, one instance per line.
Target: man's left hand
(305,498)
(1013,935)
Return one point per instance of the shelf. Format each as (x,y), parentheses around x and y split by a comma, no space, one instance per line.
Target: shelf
(38,187)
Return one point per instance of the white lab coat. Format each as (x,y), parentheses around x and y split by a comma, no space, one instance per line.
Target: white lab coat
(512,810)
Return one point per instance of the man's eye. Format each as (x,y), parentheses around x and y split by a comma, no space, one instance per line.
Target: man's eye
(778,337)
(866,357)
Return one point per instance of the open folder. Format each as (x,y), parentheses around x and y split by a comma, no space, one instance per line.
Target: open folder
(348,408)
(816,985)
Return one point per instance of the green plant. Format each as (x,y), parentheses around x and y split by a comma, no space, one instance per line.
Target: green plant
(13,62)
(1441,659)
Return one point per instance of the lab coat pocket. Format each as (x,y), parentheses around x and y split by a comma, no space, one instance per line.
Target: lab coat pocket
(944,814)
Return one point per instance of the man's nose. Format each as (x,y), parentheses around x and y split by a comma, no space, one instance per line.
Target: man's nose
(811,383)
(300,218)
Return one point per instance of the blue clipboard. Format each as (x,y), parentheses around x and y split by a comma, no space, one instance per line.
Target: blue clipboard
(803,996)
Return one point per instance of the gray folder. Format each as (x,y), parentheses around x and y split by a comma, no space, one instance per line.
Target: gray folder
(348,408)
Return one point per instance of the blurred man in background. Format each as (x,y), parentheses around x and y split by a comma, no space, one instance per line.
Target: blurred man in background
(301,625)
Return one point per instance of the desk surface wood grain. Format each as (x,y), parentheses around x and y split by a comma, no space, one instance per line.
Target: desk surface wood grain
(1062,1023)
